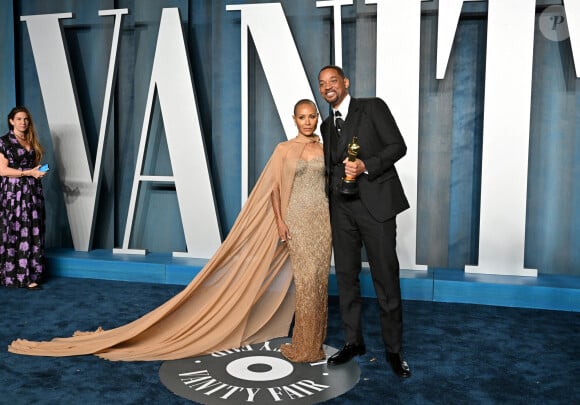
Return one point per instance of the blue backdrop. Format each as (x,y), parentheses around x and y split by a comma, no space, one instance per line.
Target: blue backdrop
(450,127)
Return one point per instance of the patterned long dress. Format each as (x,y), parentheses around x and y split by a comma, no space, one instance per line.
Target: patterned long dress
(22,219)
(310,249)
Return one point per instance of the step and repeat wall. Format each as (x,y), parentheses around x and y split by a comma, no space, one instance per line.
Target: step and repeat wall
(157,117)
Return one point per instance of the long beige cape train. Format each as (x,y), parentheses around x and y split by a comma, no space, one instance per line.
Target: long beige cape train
(243,295)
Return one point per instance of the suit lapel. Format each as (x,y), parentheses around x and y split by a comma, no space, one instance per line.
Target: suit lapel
(328,141)
(335,147)
(348,131)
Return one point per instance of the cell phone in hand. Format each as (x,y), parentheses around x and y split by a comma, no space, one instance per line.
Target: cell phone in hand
(44,168)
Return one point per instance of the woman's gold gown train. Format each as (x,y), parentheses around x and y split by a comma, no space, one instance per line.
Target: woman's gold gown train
(243,295)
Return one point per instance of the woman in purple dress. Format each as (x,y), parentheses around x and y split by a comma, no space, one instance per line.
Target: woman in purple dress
(21,204)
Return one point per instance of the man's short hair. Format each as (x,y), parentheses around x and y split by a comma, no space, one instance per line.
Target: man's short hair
(338,69)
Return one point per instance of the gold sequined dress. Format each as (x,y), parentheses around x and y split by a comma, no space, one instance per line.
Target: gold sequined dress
(309,224)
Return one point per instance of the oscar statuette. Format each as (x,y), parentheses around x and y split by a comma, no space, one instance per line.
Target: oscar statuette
(349,185)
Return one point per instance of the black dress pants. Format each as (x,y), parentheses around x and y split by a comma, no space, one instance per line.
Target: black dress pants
(353,225)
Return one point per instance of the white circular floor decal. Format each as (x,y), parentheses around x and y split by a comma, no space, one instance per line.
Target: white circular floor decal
(257,374)
(242,368)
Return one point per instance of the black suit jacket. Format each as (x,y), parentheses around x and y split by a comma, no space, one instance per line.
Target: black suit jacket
(381,145)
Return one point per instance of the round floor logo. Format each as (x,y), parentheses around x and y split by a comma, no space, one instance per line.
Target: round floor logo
(257,374)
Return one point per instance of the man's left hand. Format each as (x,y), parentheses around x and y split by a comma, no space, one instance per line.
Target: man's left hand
(354,169)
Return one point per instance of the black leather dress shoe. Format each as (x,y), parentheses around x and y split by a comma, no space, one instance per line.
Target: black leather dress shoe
(399,366)
(347,353)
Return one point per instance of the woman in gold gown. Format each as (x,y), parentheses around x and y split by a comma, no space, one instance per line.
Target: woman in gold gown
(245,293)
(306,228)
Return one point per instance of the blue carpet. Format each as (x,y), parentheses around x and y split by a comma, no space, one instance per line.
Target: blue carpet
(459,353)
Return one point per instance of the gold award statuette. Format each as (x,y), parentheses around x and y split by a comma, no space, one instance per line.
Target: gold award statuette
(349,185)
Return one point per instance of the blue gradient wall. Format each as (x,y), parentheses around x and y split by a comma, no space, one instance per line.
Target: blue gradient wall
(450,135)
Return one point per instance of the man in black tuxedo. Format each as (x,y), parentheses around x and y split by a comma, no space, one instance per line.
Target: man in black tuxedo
(368,217)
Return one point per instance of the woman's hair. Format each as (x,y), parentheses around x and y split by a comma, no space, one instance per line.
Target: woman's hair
(31,136)
(304,101)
